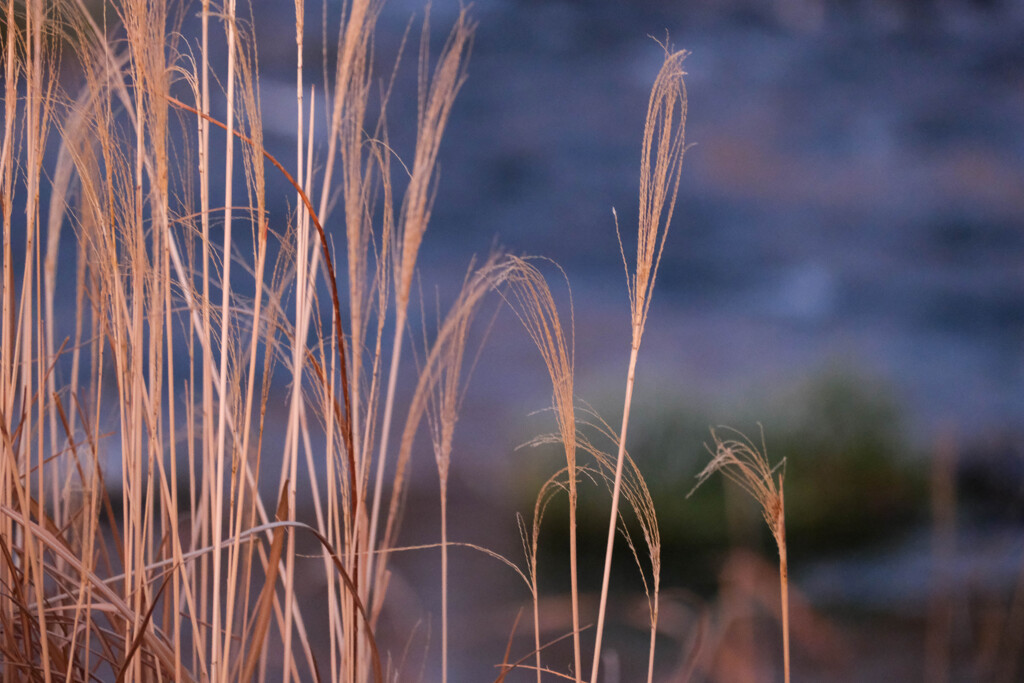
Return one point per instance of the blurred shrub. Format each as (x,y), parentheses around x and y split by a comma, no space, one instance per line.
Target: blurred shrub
(850,476)
(850,480)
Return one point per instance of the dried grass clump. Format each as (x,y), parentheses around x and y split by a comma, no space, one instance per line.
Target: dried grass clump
(139,536)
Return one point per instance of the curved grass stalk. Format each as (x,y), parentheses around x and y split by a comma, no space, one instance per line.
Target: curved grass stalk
(532,302)
(740,460)
(531,547)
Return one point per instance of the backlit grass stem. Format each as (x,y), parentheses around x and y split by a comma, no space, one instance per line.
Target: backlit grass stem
(664,144)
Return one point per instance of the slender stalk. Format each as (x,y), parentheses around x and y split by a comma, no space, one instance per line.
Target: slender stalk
(389,405)
(444,582)
(784,591)
(616,492)
(302,277)
(574,587)
(8,331)
(200,535)
(36,137)
(242,511)
(218,663)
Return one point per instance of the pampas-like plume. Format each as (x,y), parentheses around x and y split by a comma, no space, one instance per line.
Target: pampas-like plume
(661,161)
(740,460)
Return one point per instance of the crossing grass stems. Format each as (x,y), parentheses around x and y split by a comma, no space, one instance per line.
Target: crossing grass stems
(190,311)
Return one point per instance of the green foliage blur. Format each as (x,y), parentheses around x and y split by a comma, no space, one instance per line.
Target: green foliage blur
(851,480)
